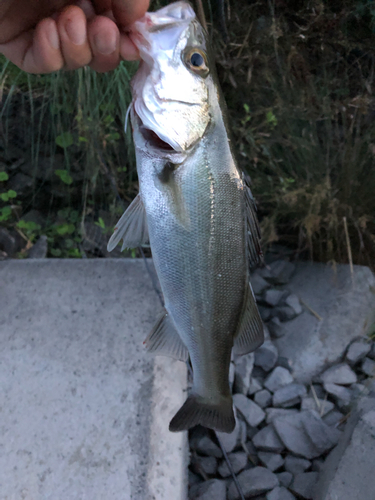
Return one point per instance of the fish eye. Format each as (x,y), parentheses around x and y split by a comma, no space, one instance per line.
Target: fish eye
(196,60)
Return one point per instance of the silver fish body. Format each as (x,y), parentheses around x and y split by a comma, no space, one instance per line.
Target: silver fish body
(202,230)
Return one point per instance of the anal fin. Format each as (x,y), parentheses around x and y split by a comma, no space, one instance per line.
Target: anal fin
(131,228)
(164,339)
(250,332)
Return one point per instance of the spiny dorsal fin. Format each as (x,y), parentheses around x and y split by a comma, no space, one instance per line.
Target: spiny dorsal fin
(254,250)
(250,332)
(131,228)
(164,339)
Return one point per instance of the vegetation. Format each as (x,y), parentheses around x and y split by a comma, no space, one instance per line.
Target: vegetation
(299,83)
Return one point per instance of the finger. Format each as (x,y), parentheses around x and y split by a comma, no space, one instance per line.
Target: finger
(36,51)
(72,29)
(128,11)
(87,7)
(128,50)
(104,38)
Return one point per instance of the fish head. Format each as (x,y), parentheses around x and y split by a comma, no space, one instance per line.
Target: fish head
(170,89)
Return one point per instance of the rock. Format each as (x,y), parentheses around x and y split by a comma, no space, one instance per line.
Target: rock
(317,465)
(348,472)
(371,354)
(272,297)
(255,386)
(340,374)
(230,440)
(304,484)
(238,461)
(296,465)
(293,302)
(277,329)
(280,493)
(285,313)
(258,284)
(20,183)
(333,418)
(35,216)
(317,391)
(280,272)
(243,368)
(263,398)
(284,363)
(253,482)
(368,367)
(278,412)
(321,435)
(359,390)
(213,488)
(7,242)
(205,446)
(232,370)
(272,461)
(289,395)
(251,412)
(193,478)
(342,395)
(346,309)
(265,312)
(39,249)
(279,377)
(322,406)
(205,465)
(291,432)
(266,356)
(285,478)
(357,351)
(267,440)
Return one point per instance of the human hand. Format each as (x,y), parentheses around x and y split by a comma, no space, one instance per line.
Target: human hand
(41,36)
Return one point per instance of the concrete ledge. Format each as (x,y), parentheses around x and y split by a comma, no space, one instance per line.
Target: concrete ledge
(84,411)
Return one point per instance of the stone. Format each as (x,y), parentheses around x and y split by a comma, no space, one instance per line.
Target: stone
(285,313)
(83,405)
(243,368)
(289,395)
(333,418)
(255,386)
(293,302)
(291,432)
(266,356)
(359,390)
(7,242)
(267,440)
(278,412)
(193,478)
(348,472)
(258,284)
(253,482)
(20,183)
(284,363)
(232,371)
(263,398)
(279,377)
(285,479)
(368,367)
(272,461)
(35,216)
(277,329)
(304,484)
(371,354)
(280,493)
(213,488)
(205,446)
(317,465)
(205,465)
(272,297)
(320,434)
(347,311)
(230,440)
(322,406)
(265,313)
(39,249)
(317,391)
(238,461)
(252,413)
(281,272)
(341,394)
(357,351)
(340,374)
(296,465)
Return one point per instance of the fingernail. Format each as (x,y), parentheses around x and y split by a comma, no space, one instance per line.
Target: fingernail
(76,31)
(105,43)
(53,36)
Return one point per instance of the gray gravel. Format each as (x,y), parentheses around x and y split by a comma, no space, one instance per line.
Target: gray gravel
(263,398)
(252,413)
(238,461)
(279,377)
(209,490)
(268,440)
(289,395)
(304,484)
(253,482)
(296,465)
(272,461)
(280,493)
(266,356)
(340,374)
(357,351)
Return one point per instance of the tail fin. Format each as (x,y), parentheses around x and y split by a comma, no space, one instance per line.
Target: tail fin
(196,410)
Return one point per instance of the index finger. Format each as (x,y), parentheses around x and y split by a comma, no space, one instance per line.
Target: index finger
(128,11)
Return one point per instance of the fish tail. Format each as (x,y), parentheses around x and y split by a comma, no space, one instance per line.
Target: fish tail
(198,410)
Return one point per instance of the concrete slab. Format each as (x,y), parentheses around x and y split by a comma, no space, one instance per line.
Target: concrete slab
(347,309)
(84,411)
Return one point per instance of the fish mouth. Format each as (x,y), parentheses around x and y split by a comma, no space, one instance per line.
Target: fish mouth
(152,138)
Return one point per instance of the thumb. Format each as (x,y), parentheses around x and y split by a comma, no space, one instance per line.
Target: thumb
(128,11)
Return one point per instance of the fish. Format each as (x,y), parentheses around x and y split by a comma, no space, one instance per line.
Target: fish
(195,209)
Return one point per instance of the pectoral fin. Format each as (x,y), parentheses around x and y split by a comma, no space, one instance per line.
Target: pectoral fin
(250,332)
(131,228)
(254,250)
(164,339)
